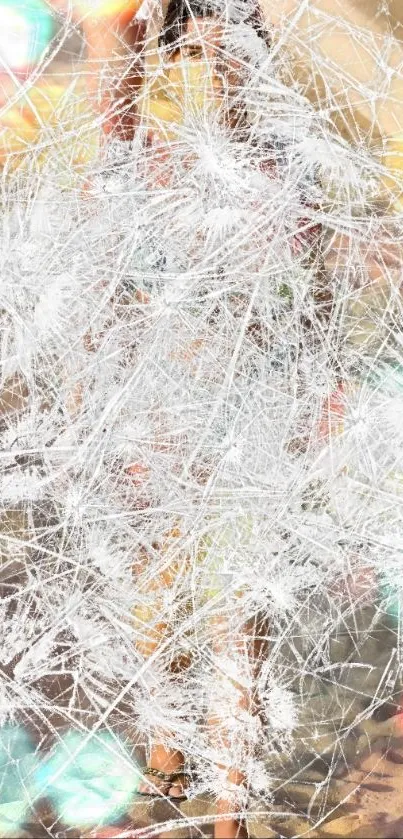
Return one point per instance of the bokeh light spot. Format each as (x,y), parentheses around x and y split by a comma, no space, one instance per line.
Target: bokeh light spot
(18,764)
(89,781)
(26,29)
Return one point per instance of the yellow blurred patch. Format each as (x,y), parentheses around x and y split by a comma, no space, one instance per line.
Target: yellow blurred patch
(393,162)
(50,120)
(99,9)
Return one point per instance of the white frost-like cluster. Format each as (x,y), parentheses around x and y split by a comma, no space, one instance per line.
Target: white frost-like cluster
(196,446)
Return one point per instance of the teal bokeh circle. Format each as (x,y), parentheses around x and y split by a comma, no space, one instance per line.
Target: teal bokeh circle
(90,779)
(27,27)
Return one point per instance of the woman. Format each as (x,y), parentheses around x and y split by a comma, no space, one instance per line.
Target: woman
(200,77)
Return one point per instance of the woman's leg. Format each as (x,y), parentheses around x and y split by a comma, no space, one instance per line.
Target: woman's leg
(152,634)
(161,759)
(241,650)
(168,762)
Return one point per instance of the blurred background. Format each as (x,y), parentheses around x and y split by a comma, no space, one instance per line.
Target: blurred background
(347,56)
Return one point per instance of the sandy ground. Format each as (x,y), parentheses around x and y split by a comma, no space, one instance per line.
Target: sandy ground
(363,802)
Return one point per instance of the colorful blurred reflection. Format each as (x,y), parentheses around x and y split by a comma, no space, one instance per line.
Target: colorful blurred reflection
(50,122)
(391,595)
(26,29)
(18,768)
(88,779)
(124,10)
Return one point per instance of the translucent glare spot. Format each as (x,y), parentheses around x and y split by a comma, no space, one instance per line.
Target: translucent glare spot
(108,8)
(89,781)
(14,38)
(392,599)
(25,31)
(18,763)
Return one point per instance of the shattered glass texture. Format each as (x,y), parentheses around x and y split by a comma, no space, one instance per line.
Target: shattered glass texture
(201,449)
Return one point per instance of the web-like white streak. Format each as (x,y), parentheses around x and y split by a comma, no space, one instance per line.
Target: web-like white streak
(201,446)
